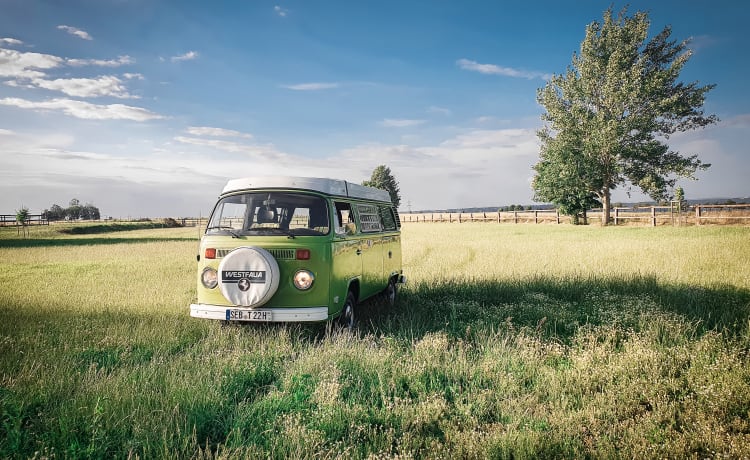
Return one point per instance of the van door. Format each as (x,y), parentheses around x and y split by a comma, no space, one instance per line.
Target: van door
(374,279)
(347,261)
(391,241)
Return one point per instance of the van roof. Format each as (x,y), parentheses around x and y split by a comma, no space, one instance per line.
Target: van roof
(328,186)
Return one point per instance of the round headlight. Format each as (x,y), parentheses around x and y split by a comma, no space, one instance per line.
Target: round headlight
(209,278)
(303,280)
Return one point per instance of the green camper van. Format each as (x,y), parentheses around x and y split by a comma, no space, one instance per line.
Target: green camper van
(280,249)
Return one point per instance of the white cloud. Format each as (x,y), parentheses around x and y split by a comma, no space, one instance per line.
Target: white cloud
(492,69)
(217,132)
(311,86)
(133,76)
(400,123)
(84,110)
(15,64)
(189,56)
(75,31)
(121,60)
(86,87)
(439,110)
(28,70)
(260,151)
(10,41)
(280,11)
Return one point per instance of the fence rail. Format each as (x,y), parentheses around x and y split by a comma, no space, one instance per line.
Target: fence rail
(193,222)
(649,215)
(535,216)
(7,220)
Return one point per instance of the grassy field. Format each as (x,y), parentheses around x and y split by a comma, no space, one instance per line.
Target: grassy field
(510,341)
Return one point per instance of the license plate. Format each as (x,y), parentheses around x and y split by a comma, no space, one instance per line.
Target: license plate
(249,315)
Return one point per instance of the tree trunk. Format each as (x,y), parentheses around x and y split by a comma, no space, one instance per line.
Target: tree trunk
(605,207)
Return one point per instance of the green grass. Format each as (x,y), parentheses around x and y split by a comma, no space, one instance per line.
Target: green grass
(509,341)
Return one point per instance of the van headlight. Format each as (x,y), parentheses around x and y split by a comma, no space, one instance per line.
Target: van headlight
(303,280)
(209,278)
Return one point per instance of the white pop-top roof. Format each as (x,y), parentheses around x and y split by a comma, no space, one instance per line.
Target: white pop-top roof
(318,184)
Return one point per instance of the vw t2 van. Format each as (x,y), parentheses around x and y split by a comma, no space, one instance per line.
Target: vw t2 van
(295,249)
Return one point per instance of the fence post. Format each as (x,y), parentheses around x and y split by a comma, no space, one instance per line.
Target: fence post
(617,214)
(697,214)
(557,215)
(498,217)
(536,217)
(653,216)
(515,217)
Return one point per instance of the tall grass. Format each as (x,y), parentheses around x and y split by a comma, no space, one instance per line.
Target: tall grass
(509,341)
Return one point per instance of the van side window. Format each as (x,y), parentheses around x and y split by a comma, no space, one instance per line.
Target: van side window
(369,218)
(387,217)
(345,224)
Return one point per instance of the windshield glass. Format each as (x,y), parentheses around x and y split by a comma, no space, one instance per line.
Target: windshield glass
(267,213)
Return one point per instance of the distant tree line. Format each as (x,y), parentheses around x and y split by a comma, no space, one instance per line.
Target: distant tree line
(74,211)
(514,207)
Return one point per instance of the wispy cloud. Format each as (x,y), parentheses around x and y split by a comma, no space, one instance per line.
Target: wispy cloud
(216,132)
(400,123)
(75,31)
(492,69)
(84,110)
(311,86)
(106,85)
(439,110)
(28,70)
(280,11)
(267,152)
(16,64)
(133,76)
(701,42)
(121,60)
(189,56)
(10,41)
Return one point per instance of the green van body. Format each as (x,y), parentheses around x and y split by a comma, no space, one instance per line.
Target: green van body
(344,238)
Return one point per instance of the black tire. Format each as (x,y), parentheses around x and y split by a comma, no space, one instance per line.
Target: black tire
(390,293)
(347,318)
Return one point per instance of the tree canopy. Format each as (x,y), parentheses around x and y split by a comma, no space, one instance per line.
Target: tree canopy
(609,116)
(74,211)
(383,179)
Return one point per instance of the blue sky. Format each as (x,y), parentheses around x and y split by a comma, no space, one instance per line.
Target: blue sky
(146,108)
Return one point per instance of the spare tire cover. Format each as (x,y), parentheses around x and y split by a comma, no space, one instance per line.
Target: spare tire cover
(248,276)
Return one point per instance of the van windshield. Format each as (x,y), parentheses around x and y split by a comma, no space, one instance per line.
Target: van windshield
(270,213)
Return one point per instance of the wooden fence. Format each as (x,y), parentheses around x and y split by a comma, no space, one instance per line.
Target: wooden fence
(535,216)
(642,215)
(7,220)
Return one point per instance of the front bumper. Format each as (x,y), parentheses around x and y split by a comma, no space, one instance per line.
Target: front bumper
(206,311)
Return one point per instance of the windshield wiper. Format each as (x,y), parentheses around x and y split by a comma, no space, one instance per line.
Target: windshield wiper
(286,232)
(222,227)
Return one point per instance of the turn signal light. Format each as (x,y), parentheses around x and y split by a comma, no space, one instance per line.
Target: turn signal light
(210,253)
(303,254)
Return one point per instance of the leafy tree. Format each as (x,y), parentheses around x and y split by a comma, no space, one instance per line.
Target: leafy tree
(562,179)
(614,109)
(56,212)
(679,195)
(22,216)
(383,179)
(90,212)
(75,211)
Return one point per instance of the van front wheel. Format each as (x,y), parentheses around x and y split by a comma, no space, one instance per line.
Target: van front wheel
(347,319)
